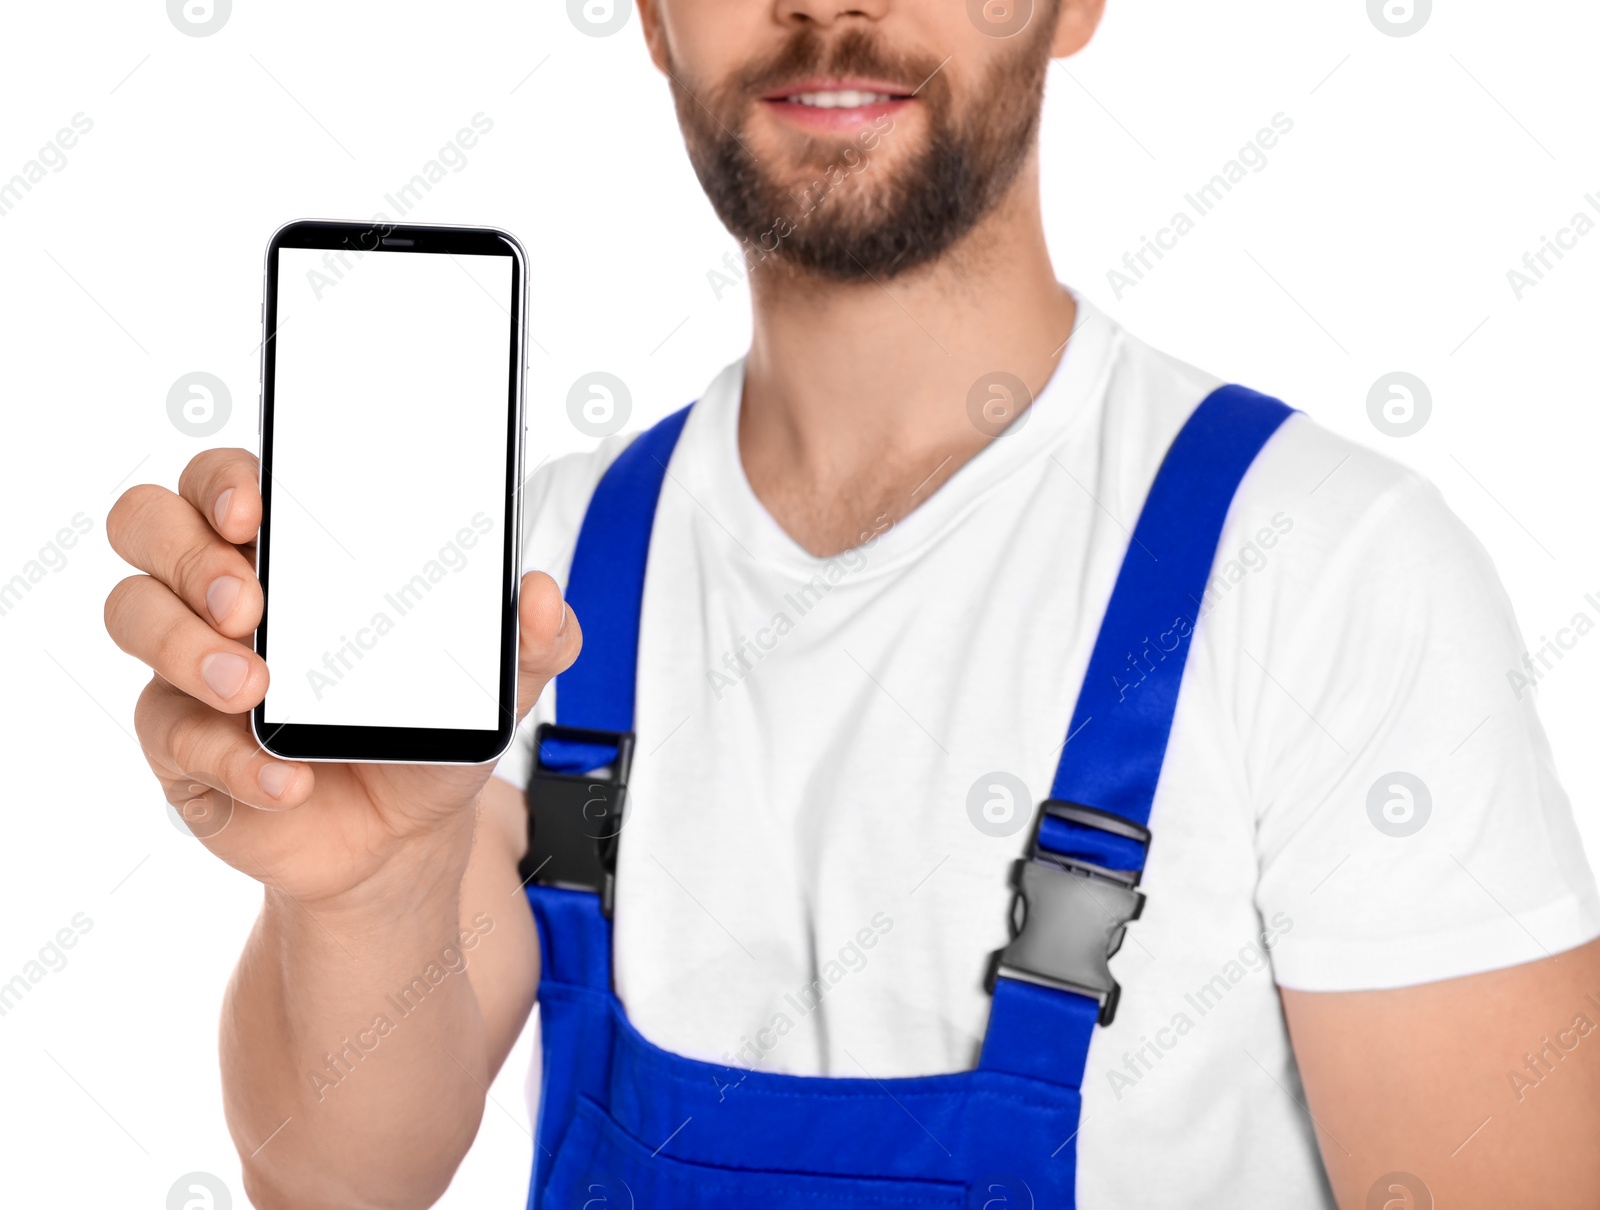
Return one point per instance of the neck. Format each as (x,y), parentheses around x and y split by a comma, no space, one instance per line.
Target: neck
(855,404)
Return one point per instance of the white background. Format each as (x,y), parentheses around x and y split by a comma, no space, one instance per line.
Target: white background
(400,368)
(1419,171)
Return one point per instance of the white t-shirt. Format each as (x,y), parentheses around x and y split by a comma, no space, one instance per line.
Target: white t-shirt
(811,732)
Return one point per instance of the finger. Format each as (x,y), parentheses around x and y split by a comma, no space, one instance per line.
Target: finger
(161,533)
(223,486)
(192,747)
(147,621)
(550,638)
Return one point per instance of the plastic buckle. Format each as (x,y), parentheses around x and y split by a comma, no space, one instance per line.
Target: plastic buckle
(1069,916)
(575,819)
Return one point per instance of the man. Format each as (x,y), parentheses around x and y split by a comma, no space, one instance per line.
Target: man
(881,549)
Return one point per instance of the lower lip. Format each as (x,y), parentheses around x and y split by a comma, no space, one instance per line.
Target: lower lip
(814,117)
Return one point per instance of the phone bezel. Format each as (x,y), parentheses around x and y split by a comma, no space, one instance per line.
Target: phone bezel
(404,745)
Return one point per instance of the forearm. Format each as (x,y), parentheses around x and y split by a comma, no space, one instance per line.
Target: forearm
(355,1045)
(354,1053)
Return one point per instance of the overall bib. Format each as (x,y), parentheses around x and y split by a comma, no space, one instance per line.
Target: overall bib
(624,1123)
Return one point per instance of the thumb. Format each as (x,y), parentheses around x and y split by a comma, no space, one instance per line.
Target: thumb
(549,641)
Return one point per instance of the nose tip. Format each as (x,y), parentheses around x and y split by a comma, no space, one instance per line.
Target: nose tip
(827,12)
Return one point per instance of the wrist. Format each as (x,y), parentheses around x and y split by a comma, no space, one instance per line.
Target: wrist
(418,876)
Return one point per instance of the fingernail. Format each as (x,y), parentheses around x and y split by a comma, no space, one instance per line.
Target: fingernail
(220,509)
(275,778)
(562,629)
(220,597)
(224,672)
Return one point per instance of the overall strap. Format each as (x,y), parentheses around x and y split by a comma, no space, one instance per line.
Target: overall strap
(577,794)
(1130,691)
(605,588)
(1075,893)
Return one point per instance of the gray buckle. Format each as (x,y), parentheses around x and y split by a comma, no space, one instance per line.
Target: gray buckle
(1069,917)
(1066,924)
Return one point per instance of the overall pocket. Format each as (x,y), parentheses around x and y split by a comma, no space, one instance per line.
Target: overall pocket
(602,1167)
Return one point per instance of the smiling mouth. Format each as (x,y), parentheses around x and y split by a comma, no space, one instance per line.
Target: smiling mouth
(837,106)
(844,98)
(839,92)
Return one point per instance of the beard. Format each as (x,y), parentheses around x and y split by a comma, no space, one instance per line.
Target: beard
(840,213)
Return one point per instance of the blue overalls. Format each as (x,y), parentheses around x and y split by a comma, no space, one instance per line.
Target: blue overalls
(624,1123)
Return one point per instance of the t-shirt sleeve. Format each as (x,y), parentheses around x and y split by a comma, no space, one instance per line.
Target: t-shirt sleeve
(1409,817)
(556,498)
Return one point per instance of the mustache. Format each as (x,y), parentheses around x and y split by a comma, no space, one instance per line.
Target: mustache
(807,55)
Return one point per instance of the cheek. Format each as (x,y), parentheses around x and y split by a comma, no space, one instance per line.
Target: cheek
(707,42)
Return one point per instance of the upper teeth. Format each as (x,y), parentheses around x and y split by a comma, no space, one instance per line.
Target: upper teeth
(847,99)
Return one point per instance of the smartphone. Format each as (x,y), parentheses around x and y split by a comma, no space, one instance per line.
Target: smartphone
(391,423)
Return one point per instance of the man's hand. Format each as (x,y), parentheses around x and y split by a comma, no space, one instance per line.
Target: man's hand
(319,831)
(363,867)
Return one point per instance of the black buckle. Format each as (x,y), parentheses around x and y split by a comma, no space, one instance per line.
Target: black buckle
(575,819)
(1069,916)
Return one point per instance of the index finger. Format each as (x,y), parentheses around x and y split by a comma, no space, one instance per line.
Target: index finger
(222,486)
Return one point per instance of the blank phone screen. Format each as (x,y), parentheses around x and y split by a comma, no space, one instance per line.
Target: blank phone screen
(392,401)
